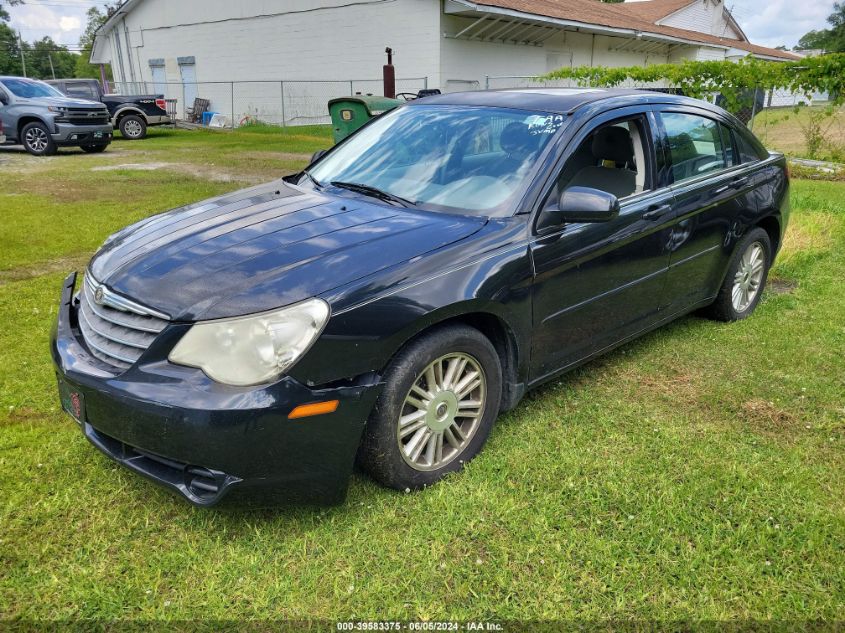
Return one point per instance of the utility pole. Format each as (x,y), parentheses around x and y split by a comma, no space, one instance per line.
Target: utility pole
(52,72)
(20,47)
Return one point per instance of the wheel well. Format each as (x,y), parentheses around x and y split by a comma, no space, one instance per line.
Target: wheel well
(503,340)
(771,225)
(26,121)
(122,115)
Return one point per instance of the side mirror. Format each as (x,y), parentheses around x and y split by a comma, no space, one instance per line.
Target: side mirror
(4,99)
(585,204)
(318,155)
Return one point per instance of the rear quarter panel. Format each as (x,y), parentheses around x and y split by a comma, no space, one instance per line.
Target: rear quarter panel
(773,192)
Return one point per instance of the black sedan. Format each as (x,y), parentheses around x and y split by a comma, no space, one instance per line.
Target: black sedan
(387,303)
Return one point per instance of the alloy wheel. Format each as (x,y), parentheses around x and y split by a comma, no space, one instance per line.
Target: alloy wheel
(442,411)
(749,276)
(36,139)
(132,128)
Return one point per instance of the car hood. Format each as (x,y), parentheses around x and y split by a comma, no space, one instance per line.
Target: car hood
(63,102)
(264,247)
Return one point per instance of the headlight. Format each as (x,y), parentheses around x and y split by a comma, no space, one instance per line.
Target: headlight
(59,109)
(253,349)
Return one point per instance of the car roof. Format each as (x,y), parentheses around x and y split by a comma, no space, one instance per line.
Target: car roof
(5,77)
(555,100)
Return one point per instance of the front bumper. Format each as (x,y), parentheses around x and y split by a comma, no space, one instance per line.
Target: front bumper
(206,441)
(69,134)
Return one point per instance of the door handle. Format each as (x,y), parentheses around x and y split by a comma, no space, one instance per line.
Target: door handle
(657,211)
(739,181)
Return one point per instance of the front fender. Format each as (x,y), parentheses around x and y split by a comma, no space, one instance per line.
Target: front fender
(364,336)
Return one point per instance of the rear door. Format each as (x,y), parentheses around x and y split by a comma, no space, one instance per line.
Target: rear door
(599,283)
(712,193)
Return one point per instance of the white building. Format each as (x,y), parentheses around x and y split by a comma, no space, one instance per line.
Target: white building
(185,48)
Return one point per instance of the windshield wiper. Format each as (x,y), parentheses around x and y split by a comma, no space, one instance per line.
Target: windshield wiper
(373,192)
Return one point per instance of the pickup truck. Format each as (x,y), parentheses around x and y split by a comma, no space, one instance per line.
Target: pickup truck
(131,114)
(42,119)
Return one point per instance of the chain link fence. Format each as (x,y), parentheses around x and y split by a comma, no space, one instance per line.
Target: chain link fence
(273,102)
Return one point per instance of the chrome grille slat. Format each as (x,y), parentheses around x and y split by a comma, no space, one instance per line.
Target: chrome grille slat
(117,336)
(113,334)
(125,319)
(99,347)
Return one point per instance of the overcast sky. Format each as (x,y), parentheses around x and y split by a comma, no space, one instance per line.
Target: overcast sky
(766,22)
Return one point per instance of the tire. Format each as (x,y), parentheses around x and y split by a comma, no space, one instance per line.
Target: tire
(133,127)
(744,271)
(36,139)
(93,149)
(436,432)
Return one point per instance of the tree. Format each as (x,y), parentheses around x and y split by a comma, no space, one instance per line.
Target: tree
(836,39)
(46,59)
(4,15)
(814,40)
(96,18)
(10,55)
(10,58)
(831,40)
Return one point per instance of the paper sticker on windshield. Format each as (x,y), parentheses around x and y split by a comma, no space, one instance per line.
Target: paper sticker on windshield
(544,123)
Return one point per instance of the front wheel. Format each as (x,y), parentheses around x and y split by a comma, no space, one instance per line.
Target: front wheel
(742,288)
(441,397)
(36,139)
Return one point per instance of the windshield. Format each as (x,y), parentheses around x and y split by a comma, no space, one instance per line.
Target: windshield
(28,89)
(471,160)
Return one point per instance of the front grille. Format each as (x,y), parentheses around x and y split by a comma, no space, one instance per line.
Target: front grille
(116,335)
(84,116)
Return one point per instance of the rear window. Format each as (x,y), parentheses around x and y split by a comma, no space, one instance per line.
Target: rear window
(83,91)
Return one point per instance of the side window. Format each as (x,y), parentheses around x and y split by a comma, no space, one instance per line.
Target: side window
(695,145)
(748,153)
(613,158)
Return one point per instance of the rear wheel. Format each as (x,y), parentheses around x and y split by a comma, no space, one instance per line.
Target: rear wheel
(133,127)
(742,288)
(93,149)
(36,139)
(440,400)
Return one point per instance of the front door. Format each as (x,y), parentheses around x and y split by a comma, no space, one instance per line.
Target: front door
(598,283)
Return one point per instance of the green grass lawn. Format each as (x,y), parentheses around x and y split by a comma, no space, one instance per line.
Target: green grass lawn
(786,130)
(698,473)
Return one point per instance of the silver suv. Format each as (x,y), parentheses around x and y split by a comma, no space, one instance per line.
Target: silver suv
(42,119)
